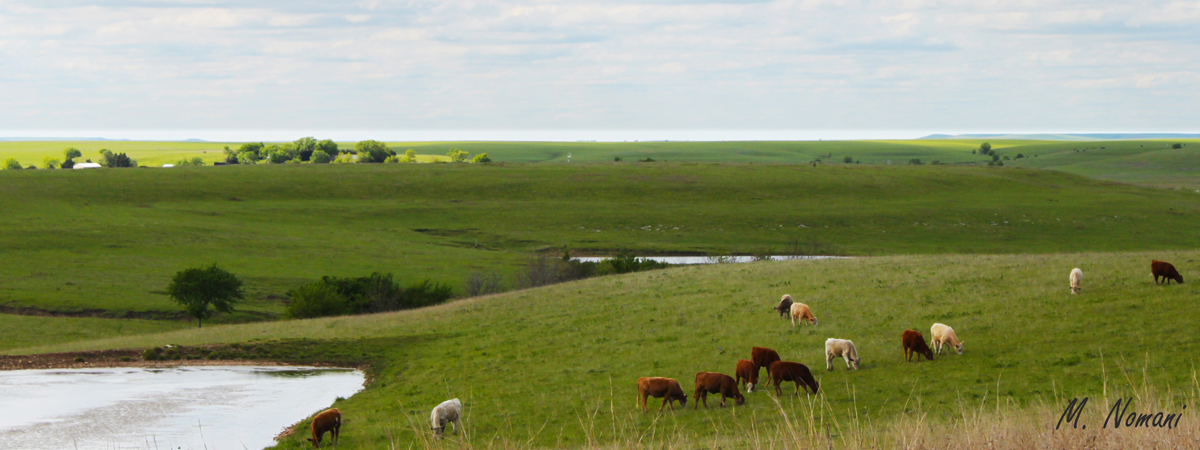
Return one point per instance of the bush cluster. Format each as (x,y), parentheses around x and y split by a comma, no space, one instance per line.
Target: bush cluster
(333,296)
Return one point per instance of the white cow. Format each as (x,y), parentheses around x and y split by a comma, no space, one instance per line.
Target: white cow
(942,335)
(447,412)
(840,348)
(1076,278)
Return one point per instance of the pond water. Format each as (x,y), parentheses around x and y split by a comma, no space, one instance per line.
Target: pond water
(202,407)
(709,259)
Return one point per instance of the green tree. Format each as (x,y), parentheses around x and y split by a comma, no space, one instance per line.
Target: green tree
(320,157)
(72,153)
(410,155)
(372,151)
(11,164)
(198,288)
(457,155)
(1177,146)
(50,162)
(114,160)
(995,157)
(68,164)
(985,148)
(305,147)
(328,146)
(481,158)
(847,160)
(316,300)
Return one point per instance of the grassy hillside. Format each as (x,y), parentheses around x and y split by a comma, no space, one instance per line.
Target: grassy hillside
(1143,162)
(557,366)
(111,239)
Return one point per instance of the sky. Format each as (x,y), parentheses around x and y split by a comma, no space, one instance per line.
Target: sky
(606,70)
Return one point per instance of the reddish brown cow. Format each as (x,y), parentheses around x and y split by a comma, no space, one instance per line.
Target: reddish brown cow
(914,343)
(665,388)
(763,357)
(747,372)
(791,371)
(329,420)
(716,383)
(1165,270)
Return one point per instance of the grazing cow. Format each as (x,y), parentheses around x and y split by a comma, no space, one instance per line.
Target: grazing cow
(665,388)
(784,307)
(716,383)
(843,348)
(447,412)
(914,343)
(329,420)
(791,371)
(802,312)
(763,357)
(1166,271)
(942,334)
(1076,278)
(748,371)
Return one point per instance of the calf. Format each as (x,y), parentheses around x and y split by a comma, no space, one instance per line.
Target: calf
(840,348)
(665,388)
(747,371)
(447,412)
(914,343)
(802,312)
(1166,271)
(714,383)
(784,307)
(763,357)
(791,371)
(942,335)
(1076,280)
(329,420)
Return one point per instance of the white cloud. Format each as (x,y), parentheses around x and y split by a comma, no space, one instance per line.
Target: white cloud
(488,64)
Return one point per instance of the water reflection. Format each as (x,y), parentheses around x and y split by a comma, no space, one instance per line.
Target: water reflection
(214,407)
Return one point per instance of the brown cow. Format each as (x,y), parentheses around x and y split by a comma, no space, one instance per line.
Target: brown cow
(785,306)
(329,420)
(791,371)
(1165,270)
(914,343)
(747,372)
(716,383)
(762,357)
(665,388)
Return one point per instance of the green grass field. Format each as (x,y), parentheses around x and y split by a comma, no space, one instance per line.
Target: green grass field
(544,359)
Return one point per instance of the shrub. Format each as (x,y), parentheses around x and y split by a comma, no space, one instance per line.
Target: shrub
(321,157)
(457,155)
(370,151)
(481,158)
(315,300)
(49,162)
(410,155)
(78,359)
(11,164)
(67,164)
(648,159)
(995,157)
(126,359)
(617,158)
(1019,156)
(915,161)
(114,160)
(847,160)
(393,159)
(1177,146)
(151,354)
(935,163)
(479,283)
(985,148)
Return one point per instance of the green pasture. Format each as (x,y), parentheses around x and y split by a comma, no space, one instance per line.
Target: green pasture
(111,239)
(558,364)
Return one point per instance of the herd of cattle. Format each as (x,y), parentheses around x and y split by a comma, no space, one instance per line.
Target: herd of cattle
(747,370)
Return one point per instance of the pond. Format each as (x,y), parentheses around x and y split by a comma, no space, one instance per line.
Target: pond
(201,407)
(709,259)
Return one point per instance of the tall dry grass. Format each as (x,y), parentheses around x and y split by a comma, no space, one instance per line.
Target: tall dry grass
(812,422)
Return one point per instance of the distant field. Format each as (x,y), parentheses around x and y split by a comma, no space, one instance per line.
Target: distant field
(1142,162)
(548,365)
(110,240)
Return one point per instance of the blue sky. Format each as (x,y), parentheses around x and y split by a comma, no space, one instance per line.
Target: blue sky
(671,69)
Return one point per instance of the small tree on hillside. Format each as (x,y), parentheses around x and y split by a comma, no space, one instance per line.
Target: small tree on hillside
(457,155)
(847,160)
(197,288)
(985,148)
(328,146)
(11,164)
(72,153)
(481,158)
(372,151)
(50,162)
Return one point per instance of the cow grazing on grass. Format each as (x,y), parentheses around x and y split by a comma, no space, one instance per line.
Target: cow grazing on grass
(747,372)
(665,388)
(914,343)
(840,348)
(791,371)
(763,357)
(942,335)
(447,412)
(716,383)
(785,306)
(1166,271)
(330,421)
(1076,279)
(802,312)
